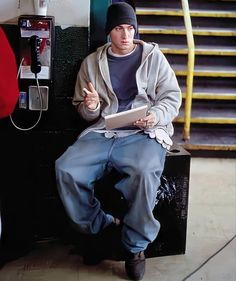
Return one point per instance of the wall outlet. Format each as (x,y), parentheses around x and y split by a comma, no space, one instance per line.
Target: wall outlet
(34,97)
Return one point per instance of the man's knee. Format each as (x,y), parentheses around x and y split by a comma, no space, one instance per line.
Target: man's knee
(150,166)
(60,165)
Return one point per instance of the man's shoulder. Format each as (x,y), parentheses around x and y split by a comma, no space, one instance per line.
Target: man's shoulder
(147,45)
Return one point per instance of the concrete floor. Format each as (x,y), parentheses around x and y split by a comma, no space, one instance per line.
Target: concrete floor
(211,224)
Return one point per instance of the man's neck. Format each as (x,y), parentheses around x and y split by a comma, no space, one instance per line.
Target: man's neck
(115,54)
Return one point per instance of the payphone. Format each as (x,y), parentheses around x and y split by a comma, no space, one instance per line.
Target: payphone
(36,52)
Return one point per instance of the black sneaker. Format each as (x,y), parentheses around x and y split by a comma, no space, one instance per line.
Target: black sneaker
(135,265)
(98,246)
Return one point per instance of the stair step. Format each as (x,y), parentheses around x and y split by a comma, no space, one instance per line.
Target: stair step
(205,120)
(213,115)
(207,71)
(211,94)
(179,12)
(199,50)
(207,139)
(178,30)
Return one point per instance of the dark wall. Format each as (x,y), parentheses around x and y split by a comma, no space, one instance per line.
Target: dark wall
(28,192)
(97,23)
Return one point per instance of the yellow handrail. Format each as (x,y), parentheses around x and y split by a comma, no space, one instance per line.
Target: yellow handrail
(189,81)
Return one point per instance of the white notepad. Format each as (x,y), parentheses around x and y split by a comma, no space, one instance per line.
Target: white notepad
(125,118)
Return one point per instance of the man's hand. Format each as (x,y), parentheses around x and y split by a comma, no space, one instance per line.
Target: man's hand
(91,98)
(147,122)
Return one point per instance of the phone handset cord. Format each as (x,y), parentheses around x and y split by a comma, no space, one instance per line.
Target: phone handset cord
(40,100)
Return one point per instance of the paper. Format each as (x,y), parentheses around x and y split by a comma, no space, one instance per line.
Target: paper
(125,118)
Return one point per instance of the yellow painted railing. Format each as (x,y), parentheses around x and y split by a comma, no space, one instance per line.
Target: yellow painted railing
(190,70)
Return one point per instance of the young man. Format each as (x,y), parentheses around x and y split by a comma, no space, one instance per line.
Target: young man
(120,75)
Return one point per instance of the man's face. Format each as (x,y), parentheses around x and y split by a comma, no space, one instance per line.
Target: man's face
(122,39)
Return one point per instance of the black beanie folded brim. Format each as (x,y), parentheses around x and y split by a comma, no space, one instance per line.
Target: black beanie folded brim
(120,13)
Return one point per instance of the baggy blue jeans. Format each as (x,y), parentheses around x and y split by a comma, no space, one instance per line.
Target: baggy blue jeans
(139,158)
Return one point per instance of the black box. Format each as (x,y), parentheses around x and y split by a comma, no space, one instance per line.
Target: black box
(172,210)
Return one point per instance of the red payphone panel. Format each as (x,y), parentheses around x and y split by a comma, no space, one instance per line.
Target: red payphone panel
(36,43)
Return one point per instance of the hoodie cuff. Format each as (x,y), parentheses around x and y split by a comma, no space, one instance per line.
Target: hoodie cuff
(155,114)
(96,109)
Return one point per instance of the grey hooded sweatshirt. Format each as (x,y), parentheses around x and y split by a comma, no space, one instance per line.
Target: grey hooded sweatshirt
(156,82)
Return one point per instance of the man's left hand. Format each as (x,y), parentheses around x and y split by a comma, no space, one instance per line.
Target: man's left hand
(147,122)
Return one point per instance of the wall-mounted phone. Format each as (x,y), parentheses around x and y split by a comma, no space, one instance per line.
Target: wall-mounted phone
(36,61)
(36,56)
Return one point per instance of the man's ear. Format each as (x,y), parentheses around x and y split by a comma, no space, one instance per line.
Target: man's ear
(108,38)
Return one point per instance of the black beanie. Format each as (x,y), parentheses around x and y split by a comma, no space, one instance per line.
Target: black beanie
(120,13)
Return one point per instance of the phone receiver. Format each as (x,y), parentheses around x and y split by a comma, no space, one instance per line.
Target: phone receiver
(35,62)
